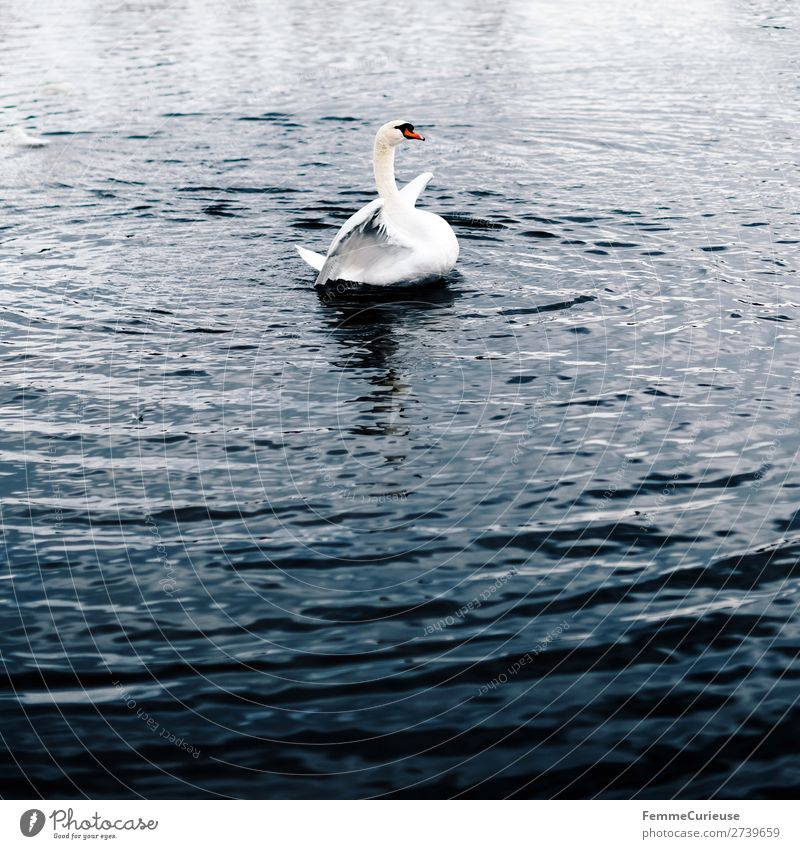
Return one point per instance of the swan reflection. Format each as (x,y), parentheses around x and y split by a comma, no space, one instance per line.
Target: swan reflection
(386,345)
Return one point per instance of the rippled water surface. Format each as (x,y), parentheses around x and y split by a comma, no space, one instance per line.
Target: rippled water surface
(532,533)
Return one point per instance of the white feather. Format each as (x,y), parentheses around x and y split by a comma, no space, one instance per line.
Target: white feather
(314,259)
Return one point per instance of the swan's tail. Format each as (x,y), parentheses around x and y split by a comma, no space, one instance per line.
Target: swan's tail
(314,259)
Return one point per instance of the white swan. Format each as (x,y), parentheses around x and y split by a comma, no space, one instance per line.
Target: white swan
(389,241)
(17,136)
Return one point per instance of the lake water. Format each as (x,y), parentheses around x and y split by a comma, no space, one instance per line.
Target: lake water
(533,533)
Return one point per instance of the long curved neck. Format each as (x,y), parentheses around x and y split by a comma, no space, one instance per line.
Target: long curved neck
(383,165)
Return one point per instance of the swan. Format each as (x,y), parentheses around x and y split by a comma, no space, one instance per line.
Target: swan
(389,241)
(17,136)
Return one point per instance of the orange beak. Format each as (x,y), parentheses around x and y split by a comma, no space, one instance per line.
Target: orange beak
(412,135)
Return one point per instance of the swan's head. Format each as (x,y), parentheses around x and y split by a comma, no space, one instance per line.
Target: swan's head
(394,132)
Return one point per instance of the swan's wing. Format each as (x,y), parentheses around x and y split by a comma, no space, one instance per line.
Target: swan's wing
(354,221)
(411,191)
(365,245)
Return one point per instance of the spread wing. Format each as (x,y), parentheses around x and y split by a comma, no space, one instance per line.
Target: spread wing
(411,191)
(364,249)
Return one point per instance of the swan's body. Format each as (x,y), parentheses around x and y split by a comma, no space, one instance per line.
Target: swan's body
(389,241)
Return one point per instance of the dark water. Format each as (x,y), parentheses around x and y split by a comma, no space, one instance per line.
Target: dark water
(533,533)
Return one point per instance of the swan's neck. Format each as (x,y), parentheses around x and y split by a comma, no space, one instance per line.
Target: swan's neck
(383,165)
